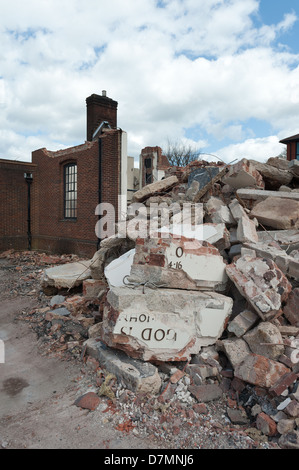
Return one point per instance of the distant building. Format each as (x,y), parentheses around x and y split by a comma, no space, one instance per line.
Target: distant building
(292,144)
(49,204)
(152,165)
(132,178)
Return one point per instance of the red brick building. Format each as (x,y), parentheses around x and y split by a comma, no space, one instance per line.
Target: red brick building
(53,209)
(292,144)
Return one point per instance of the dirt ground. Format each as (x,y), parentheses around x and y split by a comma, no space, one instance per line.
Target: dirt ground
(38,390)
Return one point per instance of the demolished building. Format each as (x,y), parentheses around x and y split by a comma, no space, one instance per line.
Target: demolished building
(218,304)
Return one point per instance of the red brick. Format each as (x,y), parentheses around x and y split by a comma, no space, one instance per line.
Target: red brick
(266,425)
(89,401)
(206,393)
(200,408)
(293,409)
(92,287)
(282,383)
(156,260)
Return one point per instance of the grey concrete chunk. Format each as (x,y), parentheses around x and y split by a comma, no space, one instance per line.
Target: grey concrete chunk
(66,275)
(137,375)
(266,340)
(242,323)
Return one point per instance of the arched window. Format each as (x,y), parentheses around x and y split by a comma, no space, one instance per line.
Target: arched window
(70,191)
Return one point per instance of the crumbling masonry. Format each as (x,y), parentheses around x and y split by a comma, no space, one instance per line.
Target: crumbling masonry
(221,308)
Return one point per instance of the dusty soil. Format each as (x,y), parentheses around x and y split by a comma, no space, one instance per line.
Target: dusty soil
(39,385)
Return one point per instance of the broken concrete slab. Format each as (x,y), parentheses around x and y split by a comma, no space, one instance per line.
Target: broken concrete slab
(94,288)
(136,375)
(291,309)
(119,268)
(218,212)
(163,324)
(278,213)
(236,349)
(237,416)
(215,234)
(243,322)
(67,275)
(243,175)
(192,190)
(265,339)
(288,240)
(246,230)
(285,188)
(206,393)
(262,283)
(157,277)
(278,162)
(236,210)
(110,248)
(272,176)
(294,168)
(252,196)
(153,188)
(260,370)
(170,258)
(287,263)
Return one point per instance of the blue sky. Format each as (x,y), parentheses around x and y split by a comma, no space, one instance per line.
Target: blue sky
(220,75)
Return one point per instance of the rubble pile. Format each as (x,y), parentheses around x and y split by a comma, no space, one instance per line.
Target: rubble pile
(196,313)
(218,307)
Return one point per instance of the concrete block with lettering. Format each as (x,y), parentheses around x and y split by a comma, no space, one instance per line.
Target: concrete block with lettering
(163,324)
(178,263)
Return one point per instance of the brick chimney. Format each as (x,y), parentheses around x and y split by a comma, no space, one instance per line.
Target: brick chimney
(100,108)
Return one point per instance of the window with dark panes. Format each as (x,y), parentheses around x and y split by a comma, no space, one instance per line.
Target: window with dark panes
(70,191)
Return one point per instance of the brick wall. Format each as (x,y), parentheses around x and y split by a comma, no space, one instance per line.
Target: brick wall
(14,204)
(291,150)
(51,231)
(111,147)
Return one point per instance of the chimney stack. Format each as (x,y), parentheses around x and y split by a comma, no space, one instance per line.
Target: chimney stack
(100,108)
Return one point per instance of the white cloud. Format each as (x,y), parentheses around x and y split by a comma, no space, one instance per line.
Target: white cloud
(192,63)
(259,149)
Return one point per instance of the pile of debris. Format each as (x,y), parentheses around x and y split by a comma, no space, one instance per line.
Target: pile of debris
(215,301)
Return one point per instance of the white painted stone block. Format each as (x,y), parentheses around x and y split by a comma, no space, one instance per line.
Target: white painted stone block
(163,324)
